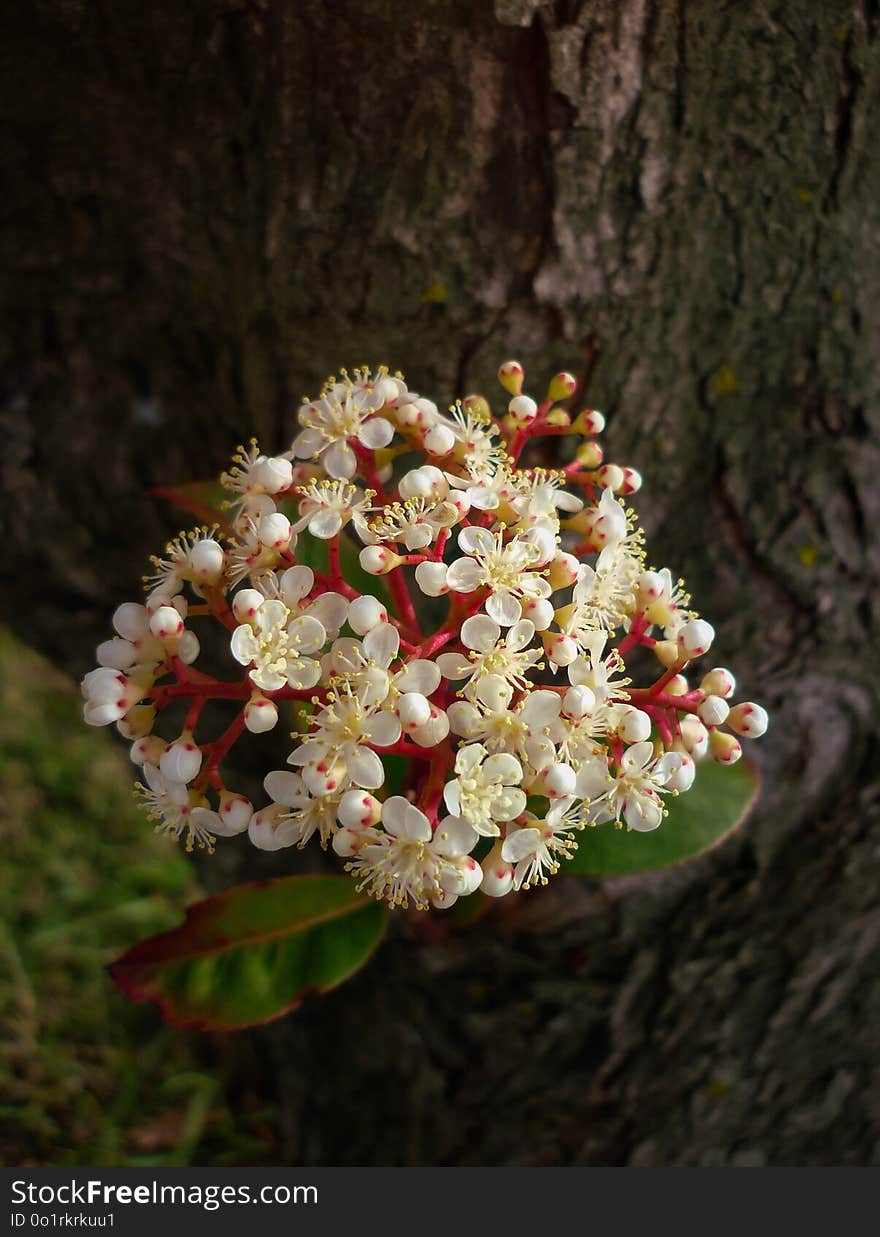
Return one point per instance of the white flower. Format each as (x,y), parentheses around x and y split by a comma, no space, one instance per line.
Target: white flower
(603,596)
(485,789)
(276,644)
(633,793)
(295,585)
(540,497)
(493,661)
(171,805)
(326,506)
(417,522)
(595,672)
(232,817)
(503,569)
(337,753)
(305,815)
(406,861)
(665,601)
(345,410)
(253,474)
(536,847)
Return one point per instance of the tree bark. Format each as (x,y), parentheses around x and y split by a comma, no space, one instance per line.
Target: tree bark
(212,205)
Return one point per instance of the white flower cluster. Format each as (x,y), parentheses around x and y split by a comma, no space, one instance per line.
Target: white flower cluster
(468,755)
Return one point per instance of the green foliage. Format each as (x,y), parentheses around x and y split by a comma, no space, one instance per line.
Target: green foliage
(717,803)
(86,1077)
(251,953)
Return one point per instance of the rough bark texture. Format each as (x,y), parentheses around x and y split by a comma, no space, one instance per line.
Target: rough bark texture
(211,205)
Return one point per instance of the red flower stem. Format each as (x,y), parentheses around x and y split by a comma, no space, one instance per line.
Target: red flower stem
(432,794)
(403,748)
(192,715)
(334,566)
(220,749)
(367,461)
(403,602)
(218,606)
(536,428)
(635,634)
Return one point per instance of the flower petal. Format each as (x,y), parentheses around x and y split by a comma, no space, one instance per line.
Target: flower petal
(503,607)
(481,633)
(365,768)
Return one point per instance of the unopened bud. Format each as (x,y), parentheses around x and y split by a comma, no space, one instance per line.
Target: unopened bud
(522,409)
(558,418)
(358,809)
(439,440)
(560,649)
(723,747)
(635,726)
(166,624)
(590,421)
(431,579)
(677,686)
(272,474)
(510,375)
(611,477)
(246,603)
(666,652)
(632,481)
(181,760)
(147,750)
(695,638)
(563,571)
(478,405)
(206,561)
(589,455)
(274,531)
(365,613)
(260,714)
(694,736)
(562,386)
(713,711)
(377,560)
(748,719)
(718,682)
(414,710)
(234,814)
(497,873)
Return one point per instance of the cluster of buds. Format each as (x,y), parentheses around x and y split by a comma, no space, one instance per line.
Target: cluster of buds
(513,710)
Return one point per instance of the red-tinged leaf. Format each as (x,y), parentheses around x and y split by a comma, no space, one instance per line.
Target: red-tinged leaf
(718,803)
(252,953)
(203,499)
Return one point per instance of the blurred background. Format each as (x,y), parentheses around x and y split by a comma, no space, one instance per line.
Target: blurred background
(207,209)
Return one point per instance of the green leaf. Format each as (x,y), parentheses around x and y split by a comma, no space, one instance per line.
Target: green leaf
(203,499)
(717,804)
(250,954)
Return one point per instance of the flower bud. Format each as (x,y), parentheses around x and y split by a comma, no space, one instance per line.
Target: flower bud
(181,760)
(563,571)
(695,638)
(425,482)
(558,417)
(718,682)
(560,649)
(666,652)
(414,710)
(677,686)
(378,560)
(358,809)
(694,736)
(748,719)
(130,620)
(511,375)
(433,731)
(365,613)
(579,701)
(431,579)
(650,587)
(147,750)
(634,726)
(188,647)
(713,711)
(561,386)
(272,474)
(556,781)
(274,531)
(117,654)
(234,814)
(590,421)
(611,477)
(538,610)
(347,842)
(260,714)
(589,455)
(166,624)
(497,873)
(723,747)
(439,440)
(246,603)
(632,481)
(522,409)
(206,561)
